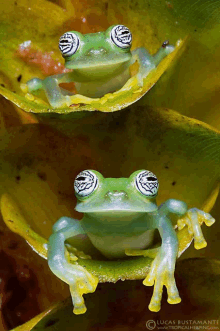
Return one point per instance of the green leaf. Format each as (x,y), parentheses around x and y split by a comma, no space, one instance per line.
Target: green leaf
(124,305)
(173,146)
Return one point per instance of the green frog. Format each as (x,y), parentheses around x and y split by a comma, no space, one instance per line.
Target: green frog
(100,63)
(120,216)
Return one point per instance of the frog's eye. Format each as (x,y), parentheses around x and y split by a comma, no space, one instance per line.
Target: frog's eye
(68,44)
(85,183)
(146,182)
(121,36)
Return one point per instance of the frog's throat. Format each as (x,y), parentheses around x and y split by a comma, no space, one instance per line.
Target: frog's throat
(89,63)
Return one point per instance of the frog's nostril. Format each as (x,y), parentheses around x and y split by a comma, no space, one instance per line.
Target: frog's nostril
(97,51)
(103,50)
(116,195)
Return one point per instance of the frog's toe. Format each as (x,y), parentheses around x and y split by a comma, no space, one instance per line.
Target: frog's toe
(182,222)
(148,281)
(80,287)
(172,292)
(154,306)
(90,285)
(78,301)
(200,242)
(34,84)
(79,309)
(208,219)
(77,254)
(155,302)
(174,299)
(168,48)
(59,101)
(86,282)
(133,252)
(140,78)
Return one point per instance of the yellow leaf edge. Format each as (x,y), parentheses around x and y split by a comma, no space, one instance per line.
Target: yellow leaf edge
(28,326)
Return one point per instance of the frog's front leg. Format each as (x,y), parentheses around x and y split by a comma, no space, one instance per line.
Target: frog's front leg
(78,278)
(51,87)
(162,269)
(149,62)
(163,266)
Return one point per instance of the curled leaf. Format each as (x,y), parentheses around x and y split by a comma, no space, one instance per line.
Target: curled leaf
(106,271)
(39,164)
(34,56)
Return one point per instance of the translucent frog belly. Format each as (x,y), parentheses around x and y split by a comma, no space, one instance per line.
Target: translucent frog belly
(114,246)
(96,89)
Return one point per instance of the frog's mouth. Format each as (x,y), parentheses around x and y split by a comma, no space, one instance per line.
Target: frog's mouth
(97,62)
(115,210)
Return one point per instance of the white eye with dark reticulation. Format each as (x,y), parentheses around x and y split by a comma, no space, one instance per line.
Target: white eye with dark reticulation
(85,183)
(146,182)
(68,44)
(121,36)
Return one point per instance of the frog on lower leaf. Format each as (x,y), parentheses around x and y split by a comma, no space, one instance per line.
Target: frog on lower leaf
(120,216)
(100,63)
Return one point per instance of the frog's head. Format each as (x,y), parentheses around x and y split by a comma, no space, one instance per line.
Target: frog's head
(96,194)
(94,50)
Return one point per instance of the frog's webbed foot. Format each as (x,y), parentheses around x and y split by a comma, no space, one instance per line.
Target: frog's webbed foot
(80,282)
(79,279)
(162,273)
(193,220)
(52,89)
(149,62)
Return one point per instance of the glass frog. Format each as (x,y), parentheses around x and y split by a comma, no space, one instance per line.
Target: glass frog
(120,215)
(100,63)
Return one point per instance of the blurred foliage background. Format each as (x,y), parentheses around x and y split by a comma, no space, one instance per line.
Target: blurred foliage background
(40,155)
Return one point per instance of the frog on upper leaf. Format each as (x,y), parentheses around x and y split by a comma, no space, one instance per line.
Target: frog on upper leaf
(100,63)
(120,216)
